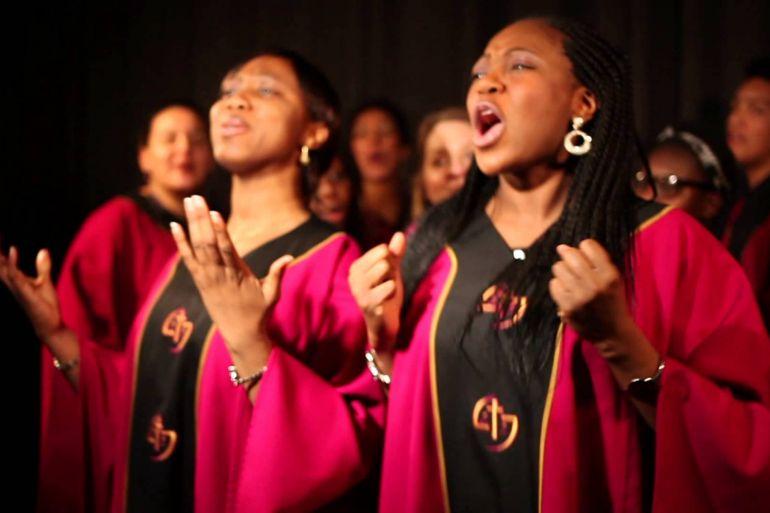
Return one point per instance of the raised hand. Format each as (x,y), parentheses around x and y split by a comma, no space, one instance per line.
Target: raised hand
(376,283)
(236,299)
(588,291)
(36,295)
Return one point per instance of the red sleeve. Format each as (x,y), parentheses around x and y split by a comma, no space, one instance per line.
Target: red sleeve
(107,272)
(327,407)
(315,428)
(713,414)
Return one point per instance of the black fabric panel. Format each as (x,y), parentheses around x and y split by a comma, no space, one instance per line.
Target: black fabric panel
(162,466)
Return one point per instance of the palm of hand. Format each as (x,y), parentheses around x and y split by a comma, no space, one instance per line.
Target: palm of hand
(37,295)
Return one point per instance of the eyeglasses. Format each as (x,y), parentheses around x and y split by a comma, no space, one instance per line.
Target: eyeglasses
(666,186)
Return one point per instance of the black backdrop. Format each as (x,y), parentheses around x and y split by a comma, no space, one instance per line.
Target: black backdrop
(78,77)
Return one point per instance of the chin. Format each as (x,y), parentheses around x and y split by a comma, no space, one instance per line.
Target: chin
(378,174)
(491,164)
(234,164)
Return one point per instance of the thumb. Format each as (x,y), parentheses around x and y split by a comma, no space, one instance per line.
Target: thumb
(397,246)
(43,266)
(271,285)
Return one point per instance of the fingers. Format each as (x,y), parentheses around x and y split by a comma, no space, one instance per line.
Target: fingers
(13,258)
(581,276)
(185,251)
(15,275)
(595,253)
(271,286)
(229,255)
(561,296)
(382,293)
(14,278)
(397,245)
(369,258)
(202,237)
(377,273)
(576,263)
(43,266)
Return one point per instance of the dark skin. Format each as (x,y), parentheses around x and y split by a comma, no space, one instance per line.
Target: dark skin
(527,79)
(258,127)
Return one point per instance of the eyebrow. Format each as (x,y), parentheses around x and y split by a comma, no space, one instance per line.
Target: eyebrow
(486,55)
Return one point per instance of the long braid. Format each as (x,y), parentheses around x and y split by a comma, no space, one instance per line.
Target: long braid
(597,205)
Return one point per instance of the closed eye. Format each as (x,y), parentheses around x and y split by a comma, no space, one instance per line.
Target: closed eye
(477,75)
(519,66)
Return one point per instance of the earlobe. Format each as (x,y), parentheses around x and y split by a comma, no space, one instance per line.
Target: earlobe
(585,104)
(317,135)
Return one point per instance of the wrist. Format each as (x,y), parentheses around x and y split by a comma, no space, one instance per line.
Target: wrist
(52,336)
(375,364)
(621,343)
(62,342)
(249,345)
(629,354)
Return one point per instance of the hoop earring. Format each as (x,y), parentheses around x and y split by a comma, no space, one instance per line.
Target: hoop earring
(304,155)
(585,140)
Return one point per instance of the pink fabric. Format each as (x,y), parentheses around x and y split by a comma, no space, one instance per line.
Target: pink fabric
(713,418)
(316,425)
(106,276)
(412,475)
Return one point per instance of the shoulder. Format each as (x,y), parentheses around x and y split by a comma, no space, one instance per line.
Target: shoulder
(113,210)
(324,243)
(107,221)
(673,230)
(675,255)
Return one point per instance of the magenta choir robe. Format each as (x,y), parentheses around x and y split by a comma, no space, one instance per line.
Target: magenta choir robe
(712,433)
(107,273)
(186,439)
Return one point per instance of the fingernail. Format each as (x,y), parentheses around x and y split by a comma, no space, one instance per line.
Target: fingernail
(174,227)
(198,200)
(187,204)
(215,216)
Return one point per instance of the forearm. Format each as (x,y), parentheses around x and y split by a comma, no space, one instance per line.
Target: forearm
(251,358)
(630,355)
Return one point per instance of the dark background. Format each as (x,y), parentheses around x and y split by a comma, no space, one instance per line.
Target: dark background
(79,77)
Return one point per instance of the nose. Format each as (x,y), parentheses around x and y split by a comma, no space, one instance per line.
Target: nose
(235,102)
(325,190)
(457,169)
(183,143)
(489,83)
(735,116)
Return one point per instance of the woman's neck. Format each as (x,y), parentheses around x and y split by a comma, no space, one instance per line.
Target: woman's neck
(168,200)
(383,199)
(525,205)
(265,204)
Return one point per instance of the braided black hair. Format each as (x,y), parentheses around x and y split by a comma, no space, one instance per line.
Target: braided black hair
(597,206)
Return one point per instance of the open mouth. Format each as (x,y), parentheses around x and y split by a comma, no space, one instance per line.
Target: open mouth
(488,125)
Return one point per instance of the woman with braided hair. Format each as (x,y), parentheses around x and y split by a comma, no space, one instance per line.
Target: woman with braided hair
(553,343)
